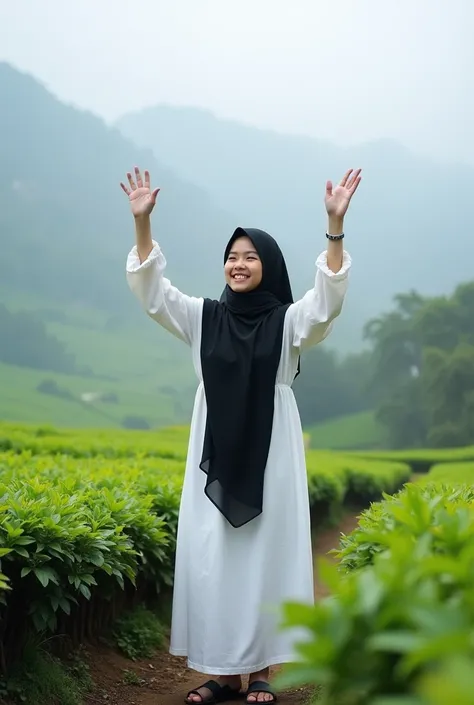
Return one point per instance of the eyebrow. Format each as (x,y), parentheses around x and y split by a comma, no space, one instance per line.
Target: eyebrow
(247,252)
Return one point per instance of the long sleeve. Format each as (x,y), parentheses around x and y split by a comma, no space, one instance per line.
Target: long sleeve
(173,310)
(311,318)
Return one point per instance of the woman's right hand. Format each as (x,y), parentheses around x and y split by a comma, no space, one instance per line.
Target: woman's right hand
(142,198)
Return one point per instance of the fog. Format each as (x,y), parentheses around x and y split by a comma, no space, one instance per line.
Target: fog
(348,71)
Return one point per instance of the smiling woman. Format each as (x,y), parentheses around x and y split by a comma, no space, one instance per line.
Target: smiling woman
(241,343)
(244,540)
(243,268)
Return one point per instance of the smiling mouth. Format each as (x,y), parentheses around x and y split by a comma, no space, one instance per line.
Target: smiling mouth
(240,277)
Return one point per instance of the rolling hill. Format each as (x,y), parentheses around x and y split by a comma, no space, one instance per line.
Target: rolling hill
(65,231)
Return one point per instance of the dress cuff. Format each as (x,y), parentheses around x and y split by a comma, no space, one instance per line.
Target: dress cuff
(322,265)
(133,260)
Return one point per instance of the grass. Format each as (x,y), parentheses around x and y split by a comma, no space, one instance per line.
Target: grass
(146,368)
(20,400)
(41,679)
(139,633)
(121,347)
(143,352)
(352,432)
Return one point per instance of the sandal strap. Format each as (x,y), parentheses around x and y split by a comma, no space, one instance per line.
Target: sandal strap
(213,686)
(220,693)
(261,687)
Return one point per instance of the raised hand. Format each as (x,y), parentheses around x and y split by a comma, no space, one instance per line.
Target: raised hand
(142,198)
(337,199)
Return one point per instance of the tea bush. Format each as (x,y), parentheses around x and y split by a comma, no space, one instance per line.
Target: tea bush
(417,512)
(400,618)
(83,443)
(419,459)
(451,473)
(88,521)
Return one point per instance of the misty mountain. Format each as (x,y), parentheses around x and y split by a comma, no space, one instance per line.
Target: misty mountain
(406,228)
(65,226)
(65,231)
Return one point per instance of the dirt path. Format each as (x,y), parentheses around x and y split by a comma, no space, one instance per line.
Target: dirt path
(164,680)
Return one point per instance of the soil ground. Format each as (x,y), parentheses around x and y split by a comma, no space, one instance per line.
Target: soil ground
(164,679)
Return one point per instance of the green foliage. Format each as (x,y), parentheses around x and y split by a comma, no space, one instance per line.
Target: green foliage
(335,479)
(89,519)
(448,394)
(453,683)
(330,387)
(40,679)
(77,536)
(354,431)
(400,618)
(168,443)
(135,422)
(420,460)
(50,386)
(451,473)
(76,667)
(414,513)
(131,678)
(423,369)
(139,633)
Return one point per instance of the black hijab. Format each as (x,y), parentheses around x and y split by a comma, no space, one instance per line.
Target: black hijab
(240,354)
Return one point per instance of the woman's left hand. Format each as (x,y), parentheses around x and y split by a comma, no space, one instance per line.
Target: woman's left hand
(337,199)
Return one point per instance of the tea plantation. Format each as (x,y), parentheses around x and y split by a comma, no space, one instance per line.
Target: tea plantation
(88,523)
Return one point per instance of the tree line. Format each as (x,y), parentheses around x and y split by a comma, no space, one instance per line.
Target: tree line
(423,368)
(417,373)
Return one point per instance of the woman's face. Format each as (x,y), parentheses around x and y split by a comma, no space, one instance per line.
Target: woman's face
(243,268)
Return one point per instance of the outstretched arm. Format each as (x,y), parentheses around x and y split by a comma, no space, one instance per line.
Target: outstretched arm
(146,263)
(311,318)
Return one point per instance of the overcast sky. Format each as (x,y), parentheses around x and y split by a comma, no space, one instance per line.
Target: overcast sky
(346,70)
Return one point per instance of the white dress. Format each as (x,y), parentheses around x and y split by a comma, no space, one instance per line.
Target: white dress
(230,583)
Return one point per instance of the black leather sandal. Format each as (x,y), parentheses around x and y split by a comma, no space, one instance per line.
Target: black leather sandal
(260,687)
(219,694)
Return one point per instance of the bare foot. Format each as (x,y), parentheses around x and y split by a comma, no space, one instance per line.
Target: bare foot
(205,694)
(260,698)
